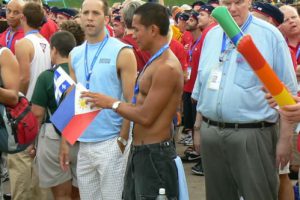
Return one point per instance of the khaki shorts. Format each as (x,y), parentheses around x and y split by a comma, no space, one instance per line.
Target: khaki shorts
(49,171)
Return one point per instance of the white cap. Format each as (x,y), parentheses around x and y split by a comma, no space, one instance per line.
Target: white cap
(162,191)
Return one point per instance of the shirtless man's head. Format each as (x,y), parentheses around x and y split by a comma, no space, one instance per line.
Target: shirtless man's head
(150,22)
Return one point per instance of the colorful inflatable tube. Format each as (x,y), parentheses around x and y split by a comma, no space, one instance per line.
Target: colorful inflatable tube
(247,48)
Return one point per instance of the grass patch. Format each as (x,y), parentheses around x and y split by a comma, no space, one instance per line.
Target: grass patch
(77,3)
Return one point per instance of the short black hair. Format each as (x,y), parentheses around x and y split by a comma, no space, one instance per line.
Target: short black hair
(154,13)
(64,42)
(34,14)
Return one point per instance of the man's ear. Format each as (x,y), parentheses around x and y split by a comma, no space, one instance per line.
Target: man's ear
(154,29)
(106,20)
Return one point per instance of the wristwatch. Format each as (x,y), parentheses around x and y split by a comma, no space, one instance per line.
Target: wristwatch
(115,105)
(122,141)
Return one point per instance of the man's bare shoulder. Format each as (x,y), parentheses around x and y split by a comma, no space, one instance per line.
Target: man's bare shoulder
(22,46)
(169,68)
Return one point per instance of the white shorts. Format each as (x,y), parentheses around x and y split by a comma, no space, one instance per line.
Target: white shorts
(101,169)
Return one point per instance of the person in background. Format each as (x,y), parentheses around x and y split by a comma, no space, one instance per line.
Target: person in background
(14,32)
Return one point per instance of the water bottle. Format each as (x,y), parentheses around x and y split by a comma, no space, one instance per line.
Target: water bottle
(162,194)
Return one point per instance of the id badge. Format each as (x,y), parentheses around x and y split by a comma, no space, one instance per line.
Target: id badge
(189,71)
(215,79)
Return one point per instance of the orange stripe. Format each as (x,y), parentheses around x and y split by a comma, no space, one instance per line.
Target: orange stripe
(248,49)
(270,80)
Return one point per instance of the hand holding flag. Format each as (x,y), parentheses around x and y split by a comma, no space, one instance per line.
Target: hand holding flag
(73,115)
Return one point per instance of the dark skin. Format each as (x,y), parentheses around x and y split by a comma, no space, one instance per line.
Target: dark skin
(160,90)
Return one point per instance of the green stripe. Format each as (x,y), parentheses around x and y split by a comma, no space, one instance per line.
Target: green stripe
(226,21)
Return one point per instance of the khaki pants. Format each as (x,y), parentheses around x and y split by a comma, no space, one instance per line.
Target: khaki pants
(23,179)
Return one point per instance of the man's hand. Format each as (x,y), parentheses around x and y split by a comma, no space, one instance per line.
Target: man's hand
(283,151)
(64,155)
(121,146)
(271,101)
(31,150)
(291,112)
(98,100)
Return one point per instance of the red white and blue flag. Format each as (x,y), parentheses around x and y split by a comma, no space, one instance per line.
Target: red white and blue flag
(73,115)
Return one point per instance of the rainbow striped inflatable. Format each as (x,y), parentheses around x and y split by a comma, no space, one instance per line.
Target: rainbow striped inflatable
(247,48)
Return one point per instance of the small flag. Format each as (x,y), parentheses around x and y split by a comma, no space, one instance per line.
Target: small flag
(62,81)
(73,115)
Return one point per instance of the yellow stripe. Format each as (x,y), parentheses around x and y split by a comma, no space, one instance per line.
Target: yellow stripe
(284,98)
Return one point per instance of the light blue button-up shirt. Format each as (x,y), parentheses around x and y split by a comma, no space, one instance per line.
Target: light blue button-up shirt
(240,98)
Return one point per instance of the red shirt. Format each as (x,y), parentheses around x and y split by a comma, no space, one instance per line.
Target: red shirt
(9,41)
(293,55)
(186,39)
(178,50)
(141,56)
(48,29)
(194,62)
(110,30)
(294,50)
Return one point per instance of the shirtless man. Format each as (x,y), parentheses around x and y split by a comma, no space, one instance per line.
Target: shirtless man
(160,89)
(9,74)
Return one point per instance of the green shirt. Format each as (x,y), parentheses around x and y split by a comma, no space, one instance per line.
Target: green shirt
(43,94)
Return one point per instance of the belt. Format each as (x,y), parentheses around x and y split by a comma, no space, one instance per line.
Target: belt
(155,145)
(261,124)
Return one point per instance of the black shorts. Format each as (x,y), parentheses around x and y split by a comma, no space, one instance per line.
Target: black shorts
(149,168)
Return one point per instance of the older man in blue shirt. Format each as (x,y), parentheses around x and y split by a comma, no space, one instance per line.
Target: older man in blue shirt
(239,140)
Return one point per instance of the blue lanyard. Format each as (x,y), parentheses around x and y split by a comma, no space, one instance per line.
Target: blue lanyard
(193,48)
(9,41)
(32,32)
(156,55)
(244,27)
(89,70)
(298,52)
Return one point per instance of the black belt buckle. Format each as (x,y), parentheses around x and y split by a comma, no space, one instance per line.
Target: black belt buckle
(221,125)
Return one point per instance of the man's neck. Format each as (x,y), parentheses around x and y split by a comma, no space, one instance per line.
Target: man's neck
(60,60)
(16,28)
(294,41)
(129,31)
(196,34)
(158,44)
(207,25)
(27,29)
(96,39)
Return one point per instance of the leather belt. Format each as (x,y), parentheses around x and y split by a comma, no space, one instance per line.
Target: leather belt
(261,124)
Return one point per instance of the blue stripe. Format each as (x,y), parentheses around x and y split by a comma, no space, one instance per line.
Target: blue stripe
(236,38)
(64,112)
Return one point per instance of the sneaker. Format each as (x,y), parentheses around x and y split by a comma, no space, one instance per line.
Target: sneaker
(5,177)
(189,142)
(198,169)
(193,155)
(184,138)
(188,150)
(7,196)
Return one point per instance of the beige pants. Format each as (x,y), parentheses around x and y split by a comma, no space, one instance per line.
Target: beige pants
(23,180)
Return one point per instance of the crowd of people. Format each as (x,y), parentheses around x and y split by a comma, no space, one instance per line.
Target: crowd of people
(146,65)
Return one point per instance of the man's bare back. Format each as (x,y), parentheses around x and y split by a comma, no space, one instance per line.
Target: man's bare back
(161,84)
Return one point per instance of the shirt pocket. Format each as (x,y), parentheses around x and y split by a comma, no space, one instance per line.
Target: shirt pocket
(245,76)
